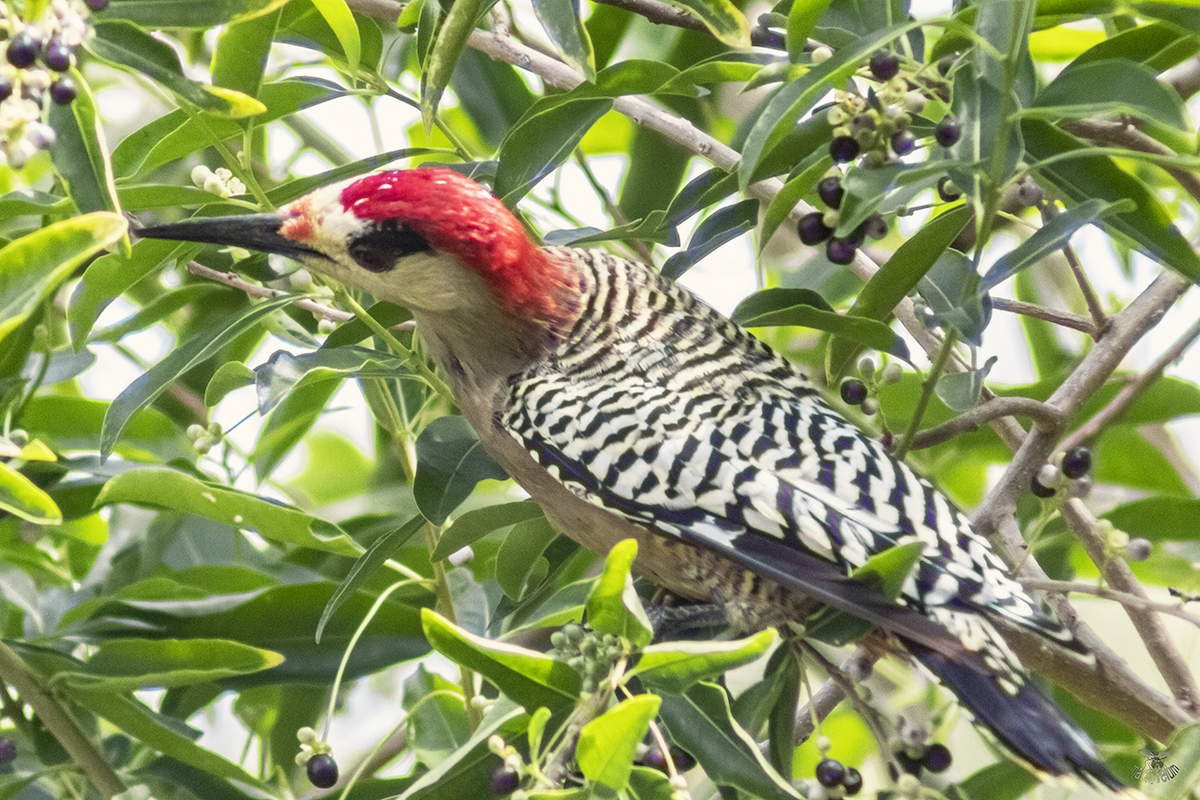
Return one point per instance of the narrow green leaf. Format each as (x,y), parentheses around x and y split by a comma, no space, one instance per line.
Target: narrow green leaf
(1112,86)
(543,139)
(123,665)
(240,56)
(1049,238)
(82,153)
(674,666)
(1159,519)
(229,376)
(560,19)
(898,276)
(367,565)
(962,391)
(722,226)
(160,487)
(802,19)
(951,289)
(608,744)
(175,14)
(22,498)
(476,524)
(528,677)
(1159,45)
(33,266)
(804,307)
(722,18)
(809,172)
(452,37)
(339,17)
(613,605)
(121,43)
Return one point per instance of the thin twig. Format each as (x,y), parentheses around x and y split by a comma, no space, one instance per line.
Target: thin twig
(1051,315)
(1120,133)
(1132,390)
(829,696)
(1124,598)
(1085,287)
(1166,655)
(986,412)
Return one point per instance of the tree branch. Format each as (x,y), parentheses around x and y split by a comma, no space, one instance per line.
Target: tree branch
(1124,598)
(986,412)
(1051,315)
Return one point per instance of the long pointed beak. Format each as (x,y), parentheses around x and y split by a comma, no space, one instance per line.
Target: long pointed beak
(251,231)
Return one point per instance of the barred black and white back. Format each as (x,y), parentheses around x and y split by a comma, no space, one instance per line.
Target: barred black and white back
(658,408)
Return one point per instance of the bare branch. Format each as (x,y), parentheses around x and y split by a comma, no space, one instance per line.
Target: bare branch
(1051,315)
(986,412)
(1167,657)
(1132,390)
(1124,598)
(1121,134)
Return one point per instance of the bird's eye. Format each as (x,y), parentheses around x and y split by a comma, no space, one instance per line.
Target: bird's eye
(378,250)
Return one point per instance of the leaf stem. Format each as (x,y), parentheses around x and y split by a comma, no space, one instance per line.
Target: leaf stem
(935,372)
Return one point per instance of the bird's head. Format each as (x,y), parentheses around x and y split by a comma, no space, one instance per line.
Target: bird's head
(427,239)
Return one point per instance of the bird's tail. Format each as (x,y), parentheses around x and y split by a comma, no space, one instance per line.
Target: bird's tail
(1029,723)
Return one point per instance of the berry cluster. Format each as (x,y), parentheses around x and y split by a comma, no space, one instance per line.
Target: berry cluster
(314,756)
(590,654)
(934,757)
(204,438)
(862,392)
(838,780)
(1073,465)
(819,226)
(35,56)
(877,127)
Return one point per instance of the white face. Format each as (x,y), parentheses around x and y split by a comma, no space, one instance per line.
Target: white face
(418,279)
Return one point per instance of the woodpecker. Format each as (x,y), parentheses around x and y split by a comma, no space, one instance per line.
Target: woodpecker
(628,408)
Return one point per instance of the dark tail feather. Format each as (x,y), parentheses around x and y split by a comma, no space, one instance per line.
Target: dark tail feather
(1031,724)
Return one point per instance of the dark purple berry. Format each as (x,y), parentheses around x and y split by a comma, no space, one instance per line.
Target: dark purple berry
(831,192)
(6,88)
(945,63)
(853,781)
(97,5)
(1077,462)
(909,764)
(884,65)
(947,190)
(23,49)
(840,251)
(903,142)
(322,770)
(1039,490)
(813,229)
(63,91)
(844,148)
(875,227)
(948,131)
(830,772)
(1138,549)
(504,781)
(853,391)
(8,750)
(57,55)
(937,758)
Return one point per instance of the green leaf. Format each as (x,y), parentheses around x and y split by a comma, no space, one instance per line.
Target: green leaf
(519,555)
(240,56)
(199,348)
(176,14)
(450,463)
(1159,519)
(962,391)
(34,265)
(608,744)
(723,20)
(674,666)
(701,723)
(530,678)
(81,155)
(437,717)
(1150,226)
(160,487)
(560,19)
(1159,45)
(543,139)
(1049,238)
(805,307)
(22,497)
(887,571)
(74,423)
(802,19)
(809,171)
(124,44)
(123,665)
(367,565)
(722,226)
(452,37)
(229,376)
(1112,86)
(613,605)
(951,288)
(337,14)
(898,276)
(472,762)
(1006,780)
(866,189)
(476,524)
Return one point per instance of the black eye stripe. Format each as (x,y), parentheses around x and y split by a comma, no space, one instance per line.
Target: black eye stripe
(379,248)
